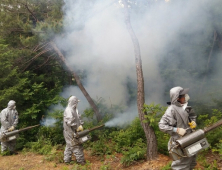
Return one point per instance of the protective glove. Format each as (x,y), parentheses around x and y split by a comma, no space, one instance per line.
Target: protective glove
(80,128)
(192,125)
(181,131)
(11,128)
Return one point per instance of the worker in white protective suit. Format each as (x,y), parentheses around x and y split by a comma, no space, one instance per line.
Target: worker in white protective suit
(72,123)
(179,120)
(9,121)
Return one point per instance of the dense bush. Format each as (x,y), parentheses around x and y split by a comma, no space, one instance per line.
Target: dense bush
(218,147)
(42,146)
(52,127)
(129,141)
(126,138)
(136,152)
(101,147)
(206,120)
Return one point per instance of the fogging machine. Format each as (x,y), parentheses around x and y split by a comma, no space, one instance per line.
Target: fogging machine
(9,136)
(189,145)
(84,135)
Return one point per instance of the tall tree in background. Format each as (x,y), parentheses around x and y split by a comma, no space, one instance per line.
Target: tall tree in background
(149,132)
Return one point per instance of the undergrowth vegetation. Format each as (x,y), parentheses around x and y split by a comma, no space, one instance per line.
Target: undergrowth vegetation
(129,141)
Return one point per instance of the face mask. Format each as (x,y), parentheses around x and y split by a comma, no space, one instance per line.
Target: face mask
(184,106)
(187,97)
(75,105)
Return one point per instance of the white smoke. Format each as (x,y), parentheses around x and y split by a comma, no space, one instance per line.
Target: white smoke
(123,119)
(48,122)
(96,40)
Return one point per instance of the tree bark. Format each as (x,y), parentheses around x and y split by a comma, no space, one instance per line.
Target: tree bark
(76,77)
(149,132)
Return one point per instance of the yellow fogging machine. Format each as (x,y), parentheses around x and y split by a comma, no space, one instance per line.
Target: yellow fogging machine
(192,143)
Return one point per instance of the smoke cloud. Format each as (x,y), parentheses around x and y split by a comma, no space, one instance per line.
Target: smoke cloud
(48,122)
(50,119)
(171,35)
(123,119)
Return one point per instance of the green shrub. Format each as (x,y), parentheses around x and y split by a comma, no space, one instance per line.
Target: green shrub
(54,134)
(210,166)
(5,153)
(162,142)
(206,120)
(127,137)
(218,148)
(45,147)
(153,114)
(137,152)
(105,167)
(167,167)
(100,147)
(42,146)
(55,156)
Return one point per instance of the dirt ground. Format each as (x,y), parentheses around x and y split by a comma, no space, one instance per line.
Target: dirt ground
(32,161)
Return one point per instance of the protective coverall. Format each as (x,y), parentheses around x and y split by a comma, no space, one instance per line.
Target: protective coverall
(178,116)
(9,118)
(71,121)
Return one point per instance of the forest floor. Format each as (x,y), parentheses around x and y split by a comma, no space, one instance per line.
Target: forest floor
(32,161)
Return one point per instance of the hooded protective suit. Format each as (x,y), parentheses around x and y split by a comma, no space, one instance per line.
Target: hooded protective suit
(9,118)
(71,121)
(178,116)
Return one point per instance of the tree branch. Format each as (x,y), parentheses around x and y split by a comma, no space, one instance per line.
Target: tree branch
(78,81)
(31,12)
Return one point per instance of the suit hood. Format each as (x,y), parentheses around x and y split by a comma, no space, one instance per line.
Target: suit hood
(11,104)
(174,94)
(73,101)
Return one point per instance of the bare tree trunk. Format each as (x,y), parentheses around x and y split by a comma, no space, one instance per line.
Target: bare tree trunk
(149,132)
(91,102)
